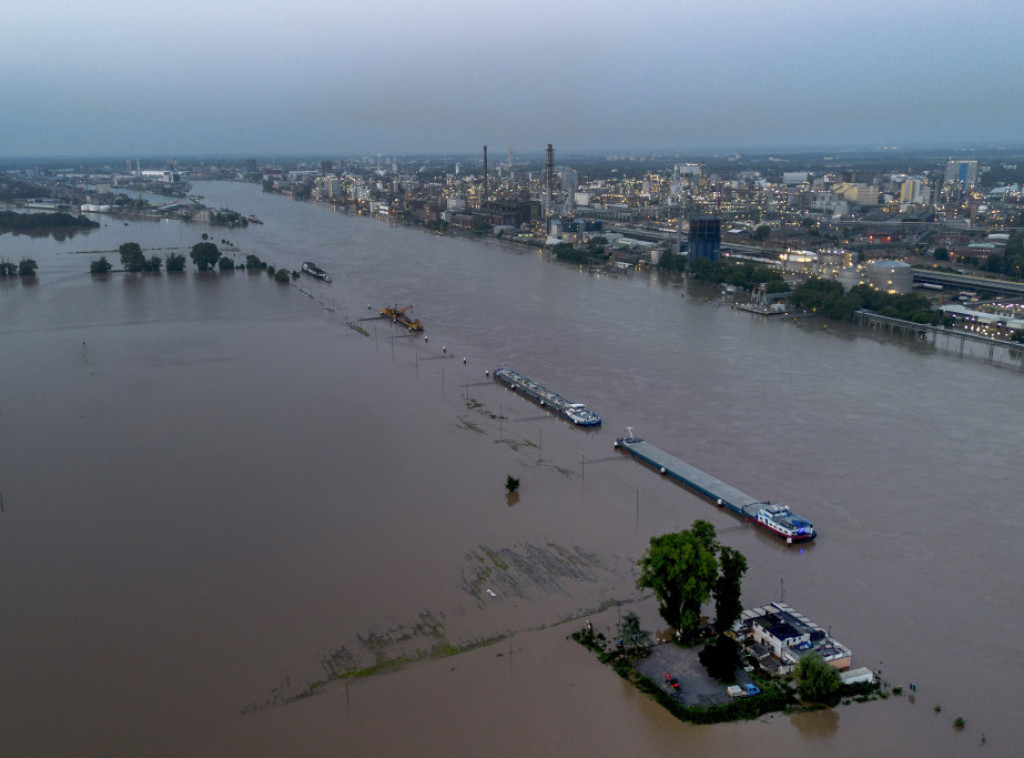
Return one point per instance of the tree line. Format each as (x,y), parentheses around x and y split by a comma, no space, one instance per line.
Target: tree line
(205,256)
(12,221)
(828,298)
(25,267)
(745,275)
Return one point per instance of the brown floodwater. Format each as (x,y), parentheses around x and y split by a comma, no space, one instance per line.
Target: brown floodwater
(216,495)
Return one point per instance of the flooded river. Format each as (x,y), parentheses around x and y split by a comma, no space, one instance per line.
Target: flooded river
(216,494)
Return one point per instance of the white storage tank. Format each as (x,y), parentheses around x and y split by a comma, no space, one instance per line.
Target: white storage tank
(890,276)
(849,278)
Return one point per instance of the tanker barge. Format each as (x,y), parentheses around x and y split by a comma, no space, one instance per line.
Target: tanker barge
(577,413)
(773,517)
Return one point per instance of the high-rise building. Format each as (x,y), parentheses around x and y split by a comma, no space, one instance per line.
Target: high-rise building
(964,173)
(705,238)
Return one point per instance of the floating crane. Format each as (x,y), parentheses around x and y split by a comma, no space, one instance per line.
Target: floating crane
(397,316)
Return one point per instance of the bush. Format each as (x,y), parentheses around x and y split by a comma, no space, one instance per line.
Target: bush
(175,262)
(27,267)
(818,681)
(959,723)
(281,276)
(225,264)
(511,483)
(100,266)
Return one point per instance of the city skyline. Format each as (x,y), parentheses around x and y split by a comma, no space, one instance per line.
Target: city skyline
(393,77)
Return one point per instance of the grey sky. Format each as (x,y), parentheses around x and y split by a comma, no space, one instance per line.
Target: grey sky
(395,76)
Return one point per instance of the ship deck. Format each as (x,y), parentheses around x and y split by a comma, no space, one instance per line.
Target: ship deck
(735,500)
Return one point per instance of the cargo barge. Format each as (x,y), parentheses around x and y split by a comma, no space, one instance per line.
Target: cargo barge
(577,413)
(314,270)
(773,517)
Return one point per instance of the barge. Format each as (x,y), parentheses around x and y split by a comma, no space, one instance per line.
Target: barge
(776,518)
(577,413)
(314,270)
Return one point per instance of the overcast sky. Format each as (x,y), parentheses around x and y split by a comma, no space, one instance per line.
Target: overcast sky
(337,77)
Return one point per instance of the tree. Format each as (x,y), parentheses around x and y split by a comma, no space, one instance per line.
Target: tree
(761,233)
(669,260)
(27,267)
(254,262)
(175,262)
(281,276)
(1014,245)
(511,483)
(633,637)
(132,258)
(8,269)
(942,253)
(721,658)
(100,266)
(681,569)
(153,264)
(728,588)
(699,267)
(225,264)
(818,681)
(204,255)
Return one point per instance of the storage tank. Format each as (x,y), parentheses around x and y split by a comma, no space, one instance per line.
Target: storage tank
(849,278)
(799,260)
(890,276)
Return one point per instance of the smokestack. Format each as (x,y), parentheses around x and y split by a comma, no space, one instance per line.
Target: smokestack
(548,180)
(484,198)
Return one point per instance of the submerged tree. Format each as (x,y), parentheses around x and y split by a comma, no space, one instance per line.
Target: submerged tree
(175,262)
(205,255)
(132,258)
(100,266)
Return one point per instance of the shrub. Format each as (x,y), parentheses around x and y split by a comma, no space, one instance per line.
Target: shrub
(175,262)
(100,266)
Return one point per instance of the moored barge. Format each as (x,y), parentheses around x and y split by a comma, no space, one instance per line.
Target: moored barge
(776,518)
(577,413)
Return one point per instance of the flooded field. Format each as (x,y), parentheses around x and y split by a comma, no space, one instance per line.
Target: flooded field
(217,497)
